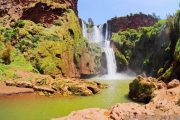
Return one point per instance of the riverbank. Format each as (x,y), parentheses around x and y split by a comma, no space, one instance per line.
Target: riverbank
(13,90)
(47,107)
(164,105)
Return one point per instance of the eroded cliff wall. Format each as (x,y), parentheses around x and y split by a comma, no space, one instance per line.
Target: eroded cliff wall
(44,11)
(47,35)
(135,21)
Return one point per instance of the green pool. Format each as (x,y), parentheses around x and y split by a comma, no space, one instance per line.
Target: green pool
(34,107)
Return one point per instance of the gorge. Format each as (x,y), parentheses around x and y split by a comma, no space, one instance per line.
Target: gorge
(53,63)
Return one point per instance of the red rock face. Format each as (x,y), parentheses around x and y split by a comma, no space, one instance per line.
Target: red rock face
(41,13)
(131,22)
(15,8)
(72,4)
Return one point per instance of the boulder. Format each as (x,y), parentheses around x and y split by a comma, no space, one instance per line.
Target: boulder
(174,83)
(80,90)
(161,85)
(141,89)
(24,84)
(10,83)
(44,89)
(87,114)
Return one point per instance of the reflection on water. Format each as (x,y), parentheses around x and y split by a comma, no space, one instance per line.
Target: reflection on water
(33,107)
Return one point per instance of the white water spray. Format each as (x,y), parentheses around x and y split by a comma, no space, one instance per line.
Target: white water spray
(103,40)
(96,34)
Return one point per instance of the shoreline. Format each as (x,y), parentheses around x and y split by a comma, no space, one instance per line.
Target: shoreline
(13,90)
(164,105)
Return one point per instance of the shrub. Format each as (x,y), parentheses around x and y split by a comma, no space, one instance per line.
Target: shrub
(58,22)
(6,55)
(177,51)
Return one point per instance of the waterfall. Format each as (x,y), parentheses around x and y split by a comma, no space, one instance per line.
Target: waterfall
(84,29)
(111,61)
(96,35)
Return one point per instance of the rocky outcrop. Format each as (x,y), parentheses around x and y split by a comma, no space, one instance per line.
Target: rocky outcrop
(15,8)
(11,89)
(131,22)
(142,89)
(174,83)
(90,114)
(47,86)
(164,105)
(39,11)
(48,35)
(90,61)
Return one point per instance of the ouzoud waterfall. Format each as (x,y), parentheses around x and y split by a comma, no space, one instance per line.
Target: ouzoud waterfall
(101,36)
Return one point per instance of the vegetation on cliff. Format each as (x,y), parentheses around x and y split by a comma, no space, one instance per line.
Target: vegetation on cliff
(53,46)
(132,21)
(42,45)
(153,50)
(142,49)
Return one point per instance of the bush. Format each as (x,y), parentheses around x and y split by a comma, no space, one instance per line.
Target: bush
(58,22)
(6,55)
(177,51)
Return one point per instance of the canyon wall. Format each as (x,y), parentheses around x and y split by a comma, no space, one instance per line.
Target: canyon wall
(131,22)
(152,50)
(42,11)
(47,35)
(15,8)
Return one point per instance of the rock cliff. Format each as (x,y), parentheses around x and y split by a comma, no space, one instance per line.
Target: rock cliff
(47,35)
(153,50)
(131,22)
(42,11)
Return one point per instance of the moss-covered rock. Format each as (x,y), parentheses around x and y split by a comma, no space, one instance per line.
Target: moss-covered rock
(56,49)
(172,68)
(142,49)
(141,89)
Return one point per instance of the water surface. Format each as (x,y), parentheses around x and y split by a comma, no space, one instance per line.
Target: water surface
(34,107)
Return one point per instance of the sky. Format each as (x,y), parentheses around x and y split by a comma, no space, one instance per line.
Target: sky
(102,10)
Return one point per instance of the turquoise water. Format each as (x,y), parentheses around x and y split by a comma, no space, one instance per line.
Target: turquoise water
(34,107)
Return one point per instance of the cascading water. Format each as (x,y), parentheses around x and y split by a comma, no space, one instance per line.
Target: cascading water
(96,35)
(111,61)
(102,37)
